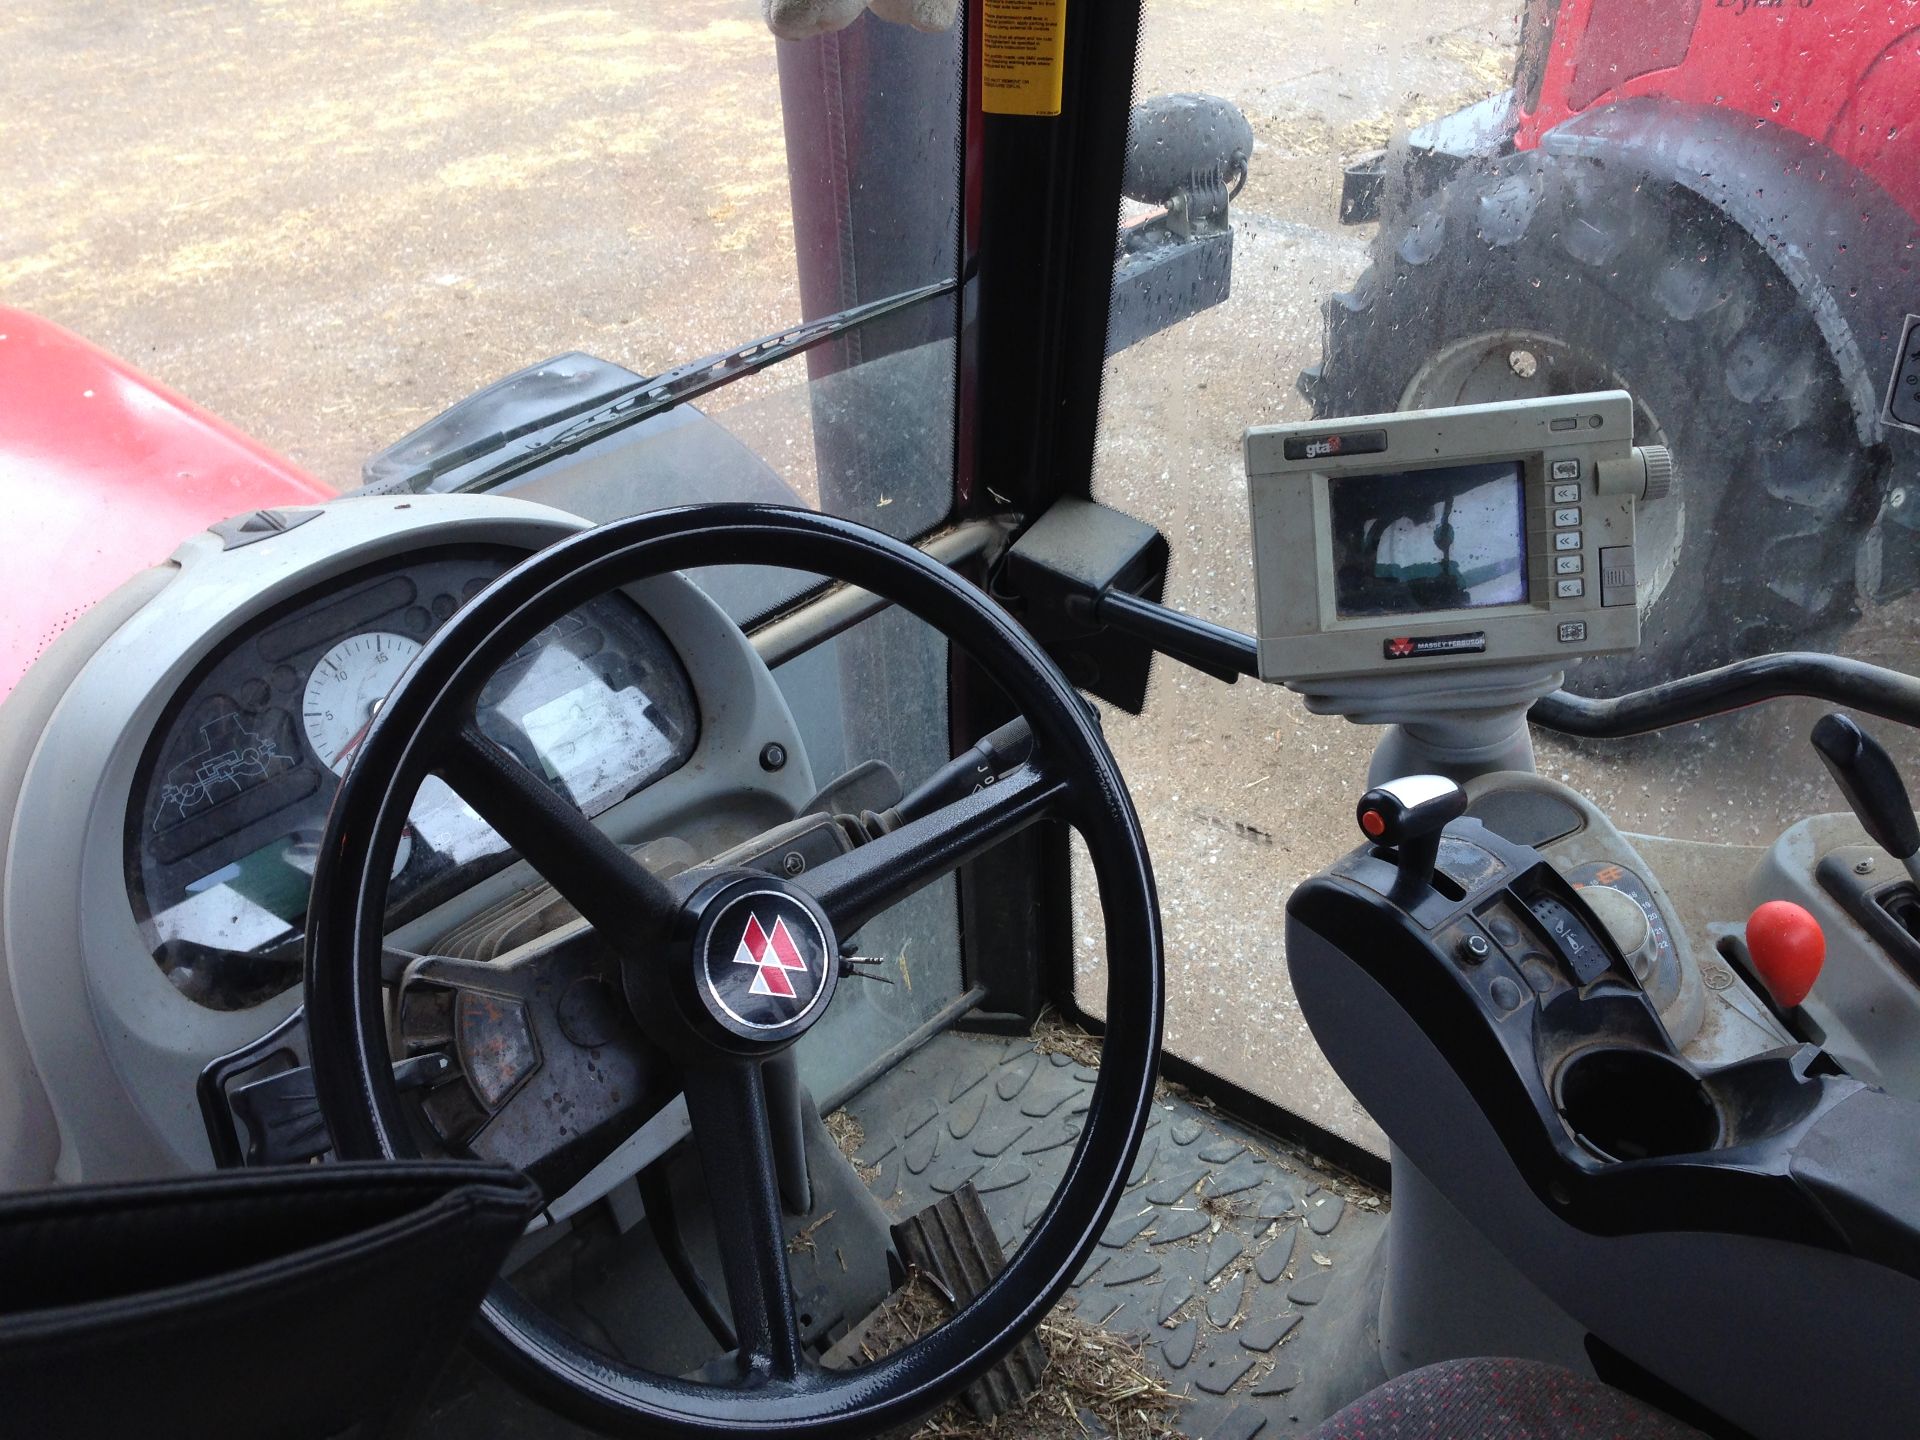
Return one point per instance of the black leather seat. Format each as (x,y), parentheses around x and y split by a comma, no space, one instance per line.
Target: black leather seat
(291,1303)
(1498,1399)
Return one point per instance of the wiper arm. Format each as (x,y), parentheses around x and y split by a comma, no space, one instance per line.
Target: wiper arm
(646,398)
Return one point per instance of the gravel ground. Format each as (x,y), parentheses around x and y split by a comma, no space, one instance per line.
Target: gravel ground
(327,222)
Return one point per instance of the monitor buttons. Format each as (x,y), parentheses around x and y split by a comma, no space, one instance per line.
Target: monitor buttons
(1566,469)
(1572,631)
(1566,564)
(1569,516)
(1566,540)
(1566,494)
(1569,589)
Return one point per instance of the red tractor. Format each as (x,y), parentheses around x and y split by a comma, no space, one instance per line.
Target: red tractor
(1711,203)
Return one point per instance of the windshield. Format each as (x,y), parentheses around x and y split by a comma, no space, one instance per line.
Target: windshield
(328,224)
(1711,206)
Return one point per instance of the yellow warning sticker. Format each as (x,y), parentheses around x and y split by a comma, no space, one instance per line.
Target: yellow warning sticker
(1023,48)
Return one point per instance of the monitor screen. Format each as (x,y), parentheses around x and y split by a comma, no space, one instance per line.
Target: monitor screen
(1444,539)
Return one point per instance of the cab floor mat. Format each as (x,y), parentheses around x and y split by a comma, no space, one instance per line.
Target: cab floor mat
(1240,1267)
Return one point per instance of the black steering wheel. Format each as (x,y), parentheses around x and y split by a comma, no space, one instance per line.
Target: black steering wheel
(675,944)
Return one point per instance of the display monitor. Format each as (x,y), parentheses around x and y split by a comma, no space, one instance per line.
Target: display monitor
(1482,534)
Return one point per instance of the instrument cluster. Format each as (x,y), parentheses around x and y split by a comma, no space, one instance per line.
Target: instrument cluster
(233,789)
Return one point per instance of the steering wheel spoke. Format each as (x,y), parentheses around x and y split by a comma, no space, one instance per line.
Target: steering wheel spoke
(855,887)
(609,887)
(732,1131)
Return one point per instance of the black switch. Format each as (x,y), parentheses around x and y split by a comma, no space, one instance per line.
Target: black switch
(1572,937)
(1871,782)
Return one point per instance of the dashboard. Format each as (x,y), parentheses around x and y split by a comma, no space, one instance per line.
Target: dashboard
(232,793)
(174,754)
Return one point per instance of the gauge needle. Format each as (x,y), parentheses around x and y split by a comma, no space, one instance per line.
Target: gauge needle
(354,739)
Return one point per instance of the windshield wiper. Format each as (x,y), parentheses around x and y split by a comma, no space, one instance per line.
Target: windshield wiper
(506,430)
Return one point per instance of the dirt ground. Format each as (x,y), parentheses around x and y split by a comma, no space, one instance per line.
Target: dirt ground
(326,222)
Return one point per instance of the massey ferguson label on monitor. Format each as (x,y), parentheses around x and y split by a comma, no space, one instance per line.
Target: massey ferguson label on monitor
(1351,442)
(1409,647)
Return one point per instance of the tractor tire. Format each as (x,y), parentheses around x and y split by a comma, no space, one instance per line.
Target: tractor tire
(1536,274)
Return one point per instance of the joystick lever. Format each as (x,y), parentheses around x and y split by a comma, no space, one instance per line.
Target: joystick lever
(1408,814)
(1866,775)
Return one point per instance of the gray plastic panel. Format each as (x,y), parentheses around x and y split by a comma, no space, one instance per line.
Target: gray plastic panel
(1867,1006)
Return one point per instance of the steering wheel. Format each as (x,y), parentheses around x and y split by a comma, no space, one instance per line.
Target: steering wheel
(675,944)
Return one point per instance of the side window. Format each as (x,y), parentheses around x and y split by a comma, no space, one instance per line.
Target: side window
(1503,201)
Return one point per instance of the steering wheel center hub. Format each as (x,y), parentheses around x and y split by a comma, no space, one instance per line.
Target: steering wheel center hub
(764,961)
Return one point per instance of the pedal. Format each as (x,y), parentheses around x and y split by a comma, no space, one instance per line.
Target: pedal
(952,1243)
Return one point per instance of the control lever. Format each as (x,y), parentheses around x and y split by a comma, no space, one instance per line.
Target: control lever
(282,1112)
(1408,815)
(1866,775)
(979,767)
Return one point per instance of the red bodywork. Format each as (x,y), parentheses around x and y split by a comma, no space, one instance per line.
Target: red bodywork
(1843,72)
(103,473)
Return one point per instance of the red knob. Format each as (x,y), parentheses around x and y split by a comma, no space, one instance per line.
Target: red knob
(1788,949)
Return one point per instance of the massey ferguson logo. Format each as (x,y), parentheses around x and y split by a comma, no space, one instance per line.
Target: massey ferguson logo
(766,963)
(1411,647)
(773,956)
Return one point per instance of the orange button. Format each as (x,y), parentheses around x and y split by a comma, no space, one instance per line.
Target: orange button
(1373,822)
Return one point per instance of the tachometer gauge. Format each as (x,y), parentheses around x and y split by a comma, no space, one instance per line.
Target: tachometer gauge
(346,688)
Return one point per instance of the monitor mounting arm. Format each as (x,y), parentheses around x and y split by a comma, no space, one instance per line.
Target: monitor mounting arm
(1087,580)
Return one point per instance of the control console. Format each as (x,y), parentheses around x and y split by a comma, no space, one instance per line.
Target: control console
(1510,927)
(1559,1158)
